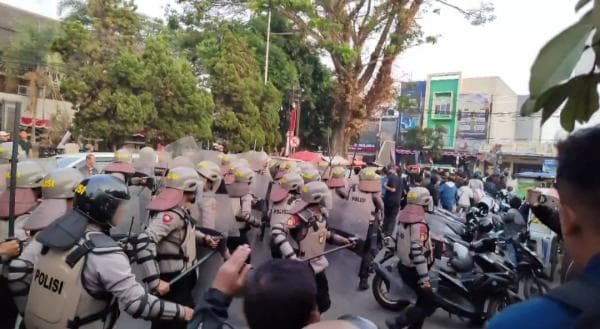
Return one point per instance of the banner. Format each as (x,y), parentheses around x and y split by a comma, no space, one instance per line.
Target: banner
(473,116)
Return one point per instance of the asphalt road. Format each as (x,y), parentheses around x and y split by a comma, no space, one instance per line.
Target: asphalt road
(343,282)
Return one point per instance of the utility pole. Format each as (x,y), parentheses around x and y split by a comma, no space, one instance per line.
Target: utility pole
(268,44)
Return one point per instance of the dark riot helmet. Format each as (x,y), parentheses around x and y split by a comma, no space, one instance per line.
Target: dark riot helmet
(99,196)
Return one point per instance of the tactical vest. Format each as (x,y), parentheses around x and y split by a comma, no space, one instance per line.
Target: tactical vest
(280,211)
(311,237)
(406,234)
(365,200)
(177,251)
(240,222)
(57,296)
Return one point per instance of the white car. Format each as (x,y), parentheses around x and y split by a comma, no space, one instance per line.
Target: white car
(77,160)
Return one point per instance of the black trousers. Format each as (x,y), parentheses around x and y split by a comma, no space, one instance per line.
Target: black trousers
(370,250)
(180,293)
(8,309)
(235,241)
(390,212)
(323,300)
(425,305)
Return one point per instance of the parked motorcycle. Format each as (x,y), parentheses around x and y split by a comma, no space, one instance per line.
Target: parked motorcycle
(473,285)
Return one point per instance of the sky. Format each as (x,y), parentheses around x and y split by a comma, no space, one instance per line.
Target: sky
(506,47)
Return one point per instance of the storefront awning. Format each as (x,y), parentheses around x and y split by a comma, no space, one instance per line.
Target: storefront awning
(39,123)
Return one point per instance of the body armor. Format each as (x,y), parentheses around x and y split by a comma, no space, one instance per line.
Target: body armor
(177,250)
(280,211)
(57,297)
(311,236)
(414,247)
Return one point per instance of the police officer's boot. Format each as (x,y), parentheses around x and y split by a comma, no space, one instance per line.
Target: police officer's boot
(363,284)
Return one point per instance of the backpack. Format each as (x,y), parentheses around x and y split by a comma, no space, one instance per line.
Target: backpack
(584,296)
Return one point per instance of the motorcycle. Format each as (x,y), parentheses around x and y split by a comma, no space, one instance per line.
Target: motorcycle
(472,284)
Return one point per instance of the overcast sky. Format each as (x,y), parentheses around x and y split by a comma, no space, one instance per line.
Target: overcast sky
(505,47)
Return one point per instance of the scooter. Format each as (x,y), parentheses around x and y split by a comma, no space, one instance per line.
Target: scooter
(471,292)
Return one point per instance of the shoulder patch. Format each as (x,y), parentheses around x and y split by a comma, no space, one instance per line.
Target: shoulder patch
(423,232)
(293,221)
(167,219)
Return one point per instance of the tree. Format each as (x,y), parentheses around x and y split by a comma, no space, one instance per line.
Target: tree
(552,85)
(122,80)
(105,77)
(428,140)
(182,109)
(343,30)
(245,108)
(28,57)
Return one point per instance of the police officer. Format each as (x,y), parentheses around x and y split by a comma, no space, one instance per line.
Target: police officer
(82,272)
(368,191)
(416,256)
(57,198)
(338,183)
(168,245)
(304,234)
(285,193)
(211,177)
(241,202)
(310,174)
(122,166)
(284,168)
(27,191)
(5,160)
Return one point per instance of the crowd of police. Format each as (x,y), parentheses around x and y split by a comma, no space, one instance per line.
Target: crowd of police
(77,234)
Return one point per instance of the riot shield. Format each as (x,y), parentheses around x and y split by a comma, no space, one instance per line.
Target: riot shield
(183,147)
(135,215)
(225,221)
(261,184)
(351,215)
(209,155)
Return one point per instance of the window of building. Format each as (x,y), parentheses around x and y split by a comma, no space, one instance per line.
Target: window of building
(442,105)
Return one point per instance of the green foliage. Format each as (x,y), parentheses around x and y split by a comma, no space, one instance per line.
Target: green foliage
(551,84)
(29,50)
(245,108)
(119,88)
(426,139)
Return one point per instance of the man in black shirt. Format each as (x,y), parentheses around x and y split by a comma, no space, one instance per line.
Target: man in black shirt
(391,201)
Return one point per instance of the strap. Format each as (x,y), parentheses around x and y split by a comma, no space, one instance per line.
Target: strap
(111,308)
(74,256)
(583,296)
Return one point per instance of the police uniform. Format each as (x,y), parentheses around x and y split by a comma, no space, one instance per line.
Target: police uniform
(82,272)
(57,187)
(168,245)
(368,191)
(415,250)
(304,235)
(285,193)
(241,202)
(29,177)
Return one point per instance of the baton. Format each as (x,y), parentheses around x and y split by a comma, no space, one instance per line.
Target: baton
(191,268)
(330,251)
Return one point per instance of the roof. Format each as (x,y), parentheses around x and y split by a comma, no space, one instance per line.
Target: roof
(11,17)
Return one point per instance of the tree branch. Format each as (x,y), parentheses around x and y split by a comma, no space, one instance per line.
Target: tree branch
(368,72)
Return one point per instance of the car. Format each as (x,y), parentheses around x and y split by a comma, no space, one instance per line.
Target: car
(77,160)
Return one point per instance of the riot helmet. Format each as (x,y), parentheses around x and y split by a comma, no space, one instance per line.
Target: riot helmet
(99,196)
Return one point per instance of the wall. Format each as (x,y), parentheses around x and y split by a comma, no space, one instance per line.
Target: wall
(45,107)
(443,83)
(504,107)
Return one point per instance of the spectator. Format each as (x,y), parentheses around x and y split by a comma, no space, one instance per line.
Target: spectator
(465,198)
(448,194)
(393,196)
(490,184)
(90,166)
(4,136)
(574,304)
(434,189)
(24,141)
(426,177)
